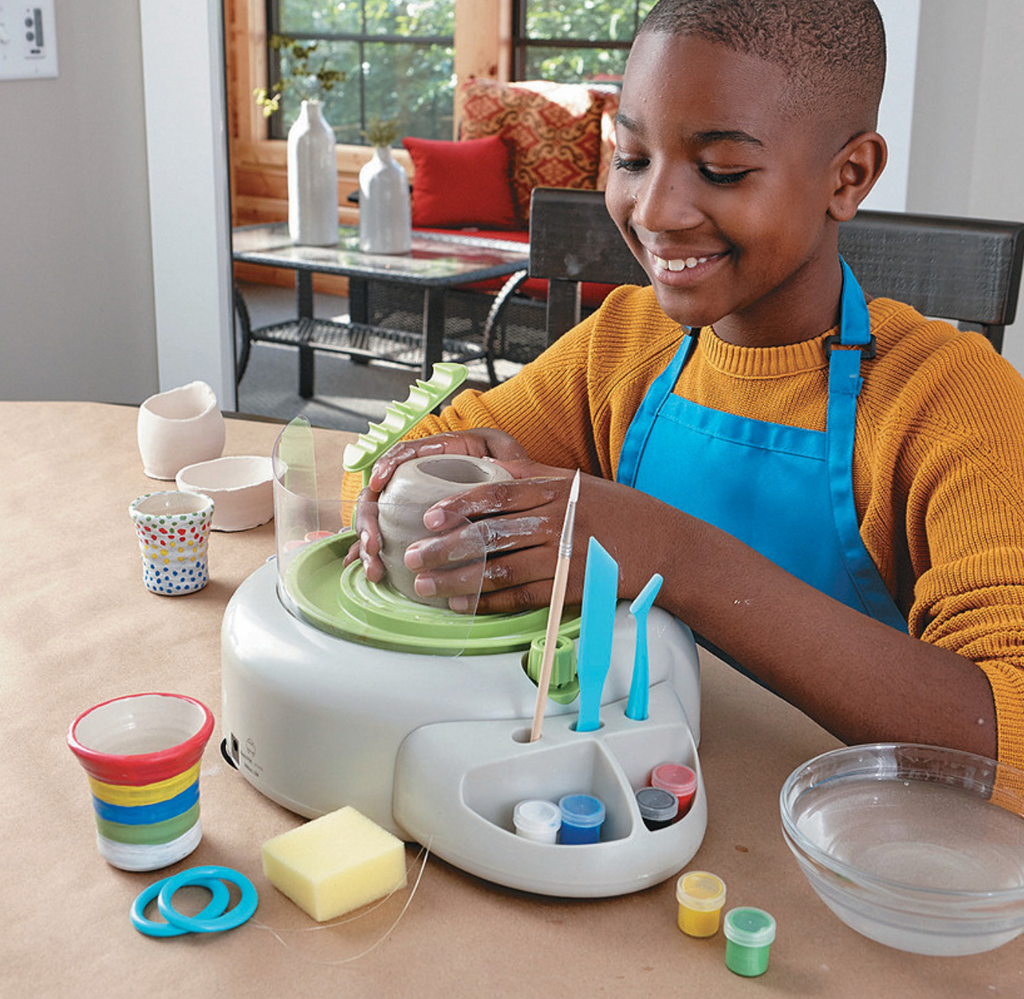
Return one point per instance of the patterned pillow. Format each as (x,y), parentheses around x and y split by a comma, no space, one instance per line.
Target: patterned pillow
(554,130)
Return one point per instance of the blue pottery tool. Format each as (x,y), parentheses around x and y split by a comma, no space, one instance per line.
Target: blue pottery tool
(600,593)
(636,706)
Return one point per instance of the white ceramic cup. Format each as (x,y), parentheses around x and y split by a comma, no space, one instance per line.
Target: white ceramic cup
(179,427)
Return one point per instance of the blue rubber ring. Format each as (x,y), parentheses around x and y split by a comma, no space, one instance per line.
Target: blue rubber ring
(217,904)
(198,924)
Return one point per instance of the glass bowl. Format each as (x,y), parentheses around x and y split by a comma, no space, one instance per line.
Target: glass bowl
(917,847)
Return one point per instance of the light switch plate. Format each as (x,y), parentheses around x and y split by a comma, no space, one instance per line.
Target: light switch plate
(28,39)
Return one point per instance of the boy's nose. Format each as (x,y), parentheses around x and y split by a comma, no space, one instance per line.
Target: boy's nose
(666,201)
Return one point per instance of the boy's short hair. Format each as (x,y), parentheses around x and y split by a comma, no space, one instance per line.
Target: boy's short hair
(832,50)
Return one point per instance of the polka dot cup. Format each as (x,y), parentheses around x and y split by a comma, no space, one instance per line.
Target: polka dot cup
(173,530)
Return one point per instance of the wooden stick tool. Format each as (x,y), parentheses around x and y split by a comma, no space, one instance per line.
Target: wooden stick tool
(555,610)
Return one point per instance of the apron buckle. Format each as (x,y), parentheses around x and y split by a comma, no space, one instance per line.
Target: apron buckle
(867,350)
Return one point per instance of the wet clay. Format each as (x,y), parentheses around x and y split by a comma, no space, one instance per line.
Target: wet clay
(414,487)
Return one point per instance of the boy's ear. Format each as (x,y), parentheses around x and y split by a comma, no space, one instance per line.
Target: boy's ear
(857,166)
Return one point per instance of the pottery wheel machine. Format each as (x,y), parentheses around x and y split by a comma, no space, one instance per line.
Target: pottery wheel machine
(337,691)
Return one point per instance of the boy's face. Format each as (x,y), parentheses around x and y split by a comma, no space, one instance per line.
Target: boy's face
(721,196)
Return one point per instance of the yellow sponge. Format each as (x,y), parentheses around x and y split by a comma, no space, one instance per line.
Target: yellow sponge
(335,863)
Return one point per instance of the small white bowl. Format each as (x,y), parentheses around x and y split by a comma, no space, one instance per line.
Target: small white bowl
(240,486)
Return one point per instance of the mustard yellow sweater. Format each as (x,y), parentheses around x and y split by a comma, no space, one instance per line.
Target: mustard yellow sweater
(938,466)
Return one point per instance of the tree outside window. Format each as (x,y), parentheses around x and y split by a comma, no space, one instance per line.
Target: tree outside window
(573,41)
(398,57)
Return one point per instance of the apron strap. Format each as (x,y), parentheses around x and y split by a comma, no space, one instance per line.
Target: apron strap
(643,420)
(854,342)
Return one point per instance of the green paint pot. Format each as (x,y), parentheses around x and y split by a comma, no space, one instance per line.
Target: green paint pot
(748,934)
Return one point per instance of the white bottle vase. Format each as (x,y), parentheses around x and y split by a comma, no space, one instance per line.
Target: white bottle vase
(312,179)
(385,214)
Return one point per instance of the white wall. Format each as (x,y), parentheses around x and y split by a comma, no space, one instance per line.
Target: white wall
(967,144)
(186,130)
(87,217)
(76,285)
(896,113)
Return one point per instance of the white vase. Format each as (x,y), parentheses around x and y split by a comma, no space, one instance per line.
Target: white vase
(312,179)
(385,214)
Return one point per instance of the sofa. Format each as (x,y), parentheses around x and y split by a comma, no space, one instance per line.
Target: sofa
(513,137)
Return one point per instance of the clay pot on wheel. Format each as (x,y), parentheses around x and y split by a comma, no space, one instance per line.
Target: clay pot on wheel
(414,487)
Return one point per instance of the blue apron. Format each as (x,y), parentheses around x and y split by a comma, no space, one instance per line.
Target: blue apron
(785,491)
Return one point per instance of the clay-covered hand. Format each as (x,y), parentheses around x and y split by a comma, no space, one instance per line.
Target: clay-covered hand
(482,443)
(518,524)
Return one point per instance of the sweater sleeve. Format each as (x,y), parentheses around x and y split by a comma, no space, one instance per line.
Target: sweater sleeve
(961,458)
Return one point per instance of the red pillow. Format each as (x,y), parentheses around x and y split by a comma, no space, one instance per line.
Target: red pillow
(461,183)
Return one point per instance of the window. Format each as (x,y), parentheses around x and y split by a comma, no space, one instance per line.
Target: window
(574,40)
(398,57)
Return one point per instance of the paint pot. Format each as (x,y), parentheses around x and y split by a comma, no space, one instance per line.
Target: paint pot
(678,779)
(142,756)
(658,807)
(749,934)
(582,818)
(700,896)
(537,820)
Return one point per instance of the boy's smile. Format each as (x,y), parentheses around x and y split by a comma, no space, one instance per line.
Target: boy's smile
(722,195)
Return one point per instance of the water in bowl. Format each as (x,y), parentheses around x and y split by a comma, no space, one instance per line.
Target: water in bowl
(918,833)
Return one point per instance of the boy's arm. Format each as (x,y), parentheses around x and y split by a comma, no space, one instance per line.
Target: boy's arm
(861,680)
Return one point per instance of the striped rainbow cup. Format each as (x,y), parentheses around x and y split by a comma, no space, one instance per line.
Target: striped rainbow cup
(142,755)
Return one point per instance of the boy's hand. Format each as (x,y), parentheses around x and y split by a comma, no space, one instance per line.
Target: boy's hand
(519,525)
(481,443)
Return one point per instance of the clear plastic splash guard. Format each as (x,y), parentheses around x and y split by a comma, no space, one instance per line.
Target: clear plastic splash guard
(313,539)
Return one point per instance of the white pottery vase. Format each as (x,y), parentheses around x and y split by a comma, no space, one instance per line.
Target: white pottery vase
(312,179)
(178,428)
(414,487)
(385,212)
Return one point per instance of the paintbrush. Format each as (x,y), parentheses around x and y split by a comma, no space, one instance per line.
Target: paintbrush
(555,611)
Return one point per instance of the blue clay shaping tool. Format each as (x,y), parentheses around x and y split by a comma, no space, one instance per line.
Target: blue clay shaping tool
(636,706)
(600,594)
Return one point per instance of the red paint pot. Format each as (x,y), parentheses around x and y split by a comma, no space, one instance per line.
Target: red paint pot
(680,780)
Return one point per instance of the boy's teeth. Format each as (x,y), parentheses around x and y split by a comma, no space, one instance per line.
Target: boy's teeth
(678,265)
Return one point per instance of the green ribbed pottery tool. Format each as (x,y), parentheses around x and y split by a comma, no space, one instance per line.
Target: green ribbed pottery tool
(401,417)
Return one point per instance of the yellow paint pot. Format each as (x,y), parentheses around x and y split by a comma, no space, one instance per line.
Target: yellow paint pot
(700,896)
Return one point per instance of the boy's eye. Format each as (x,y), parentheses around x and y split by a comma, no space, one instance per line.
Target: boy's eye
(629,163)
(723,177)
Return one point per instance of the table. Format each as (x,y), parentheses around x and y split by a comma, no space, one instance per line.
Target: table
(77,627)
(437,263)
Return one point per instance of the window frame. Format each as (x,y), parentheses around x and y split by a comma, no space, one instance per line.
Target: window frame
(521,42)
(276,129)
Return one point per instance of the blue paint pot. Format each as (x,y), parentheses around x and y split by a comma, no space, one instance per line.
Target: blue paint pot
(582,818)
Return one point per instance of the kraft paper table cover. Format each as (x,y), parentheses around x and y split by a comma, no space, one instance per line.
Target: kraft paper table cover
(77,627)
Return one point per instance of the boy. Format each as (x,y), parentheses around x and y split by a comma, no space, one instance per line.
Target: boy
(872,575)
